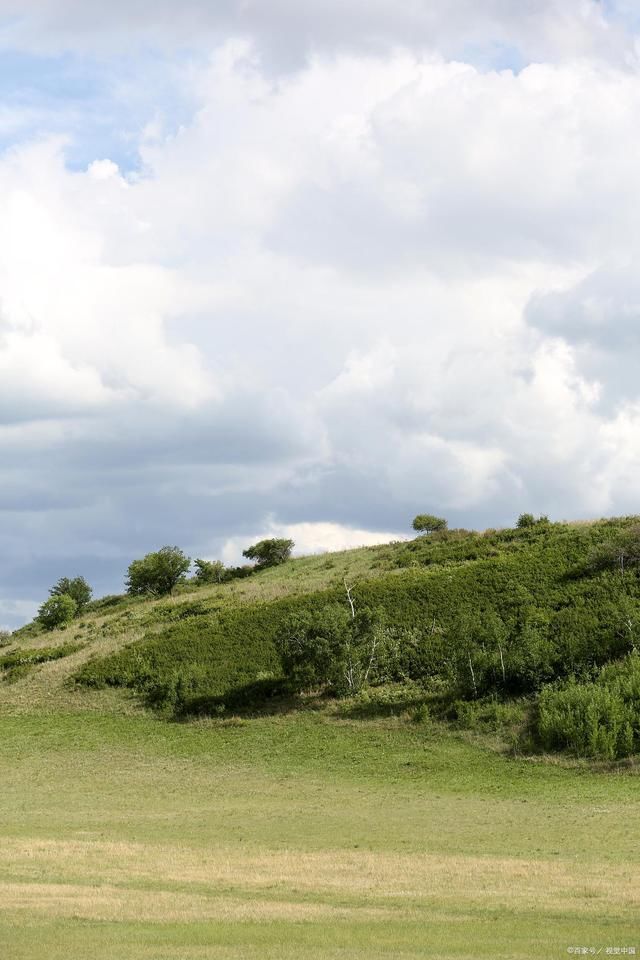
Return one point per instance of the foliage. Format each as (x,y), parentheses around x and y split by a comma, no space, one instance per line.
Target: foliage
(157,573)
(5,638)
(269,553)
(77,588)
(598,719)
(209,571)
(17,662)
(620,552)
(479,617)
(337,651)
(527,520)
(57,611)
(427,523)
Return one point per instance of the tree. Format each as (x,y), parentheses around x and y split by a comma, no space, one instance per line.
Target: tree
(157,573)
(78,589)
(269,553)
(528,520)
(57,611)
(209,571)
(427,523)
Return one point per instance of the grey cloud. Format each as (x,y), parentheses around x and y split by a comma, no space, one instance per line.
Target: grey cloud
(600,318)
(288,31)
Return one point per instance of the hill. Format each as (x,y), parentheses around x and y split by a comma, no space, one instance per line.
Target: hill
(414,817)
(534,628)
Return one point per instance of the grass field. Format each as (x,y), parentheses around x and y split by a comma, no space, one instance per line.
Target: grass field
(305,836)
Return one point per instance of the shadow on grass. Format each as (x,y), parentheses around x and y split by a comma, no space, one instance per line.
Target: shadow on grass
(258,699)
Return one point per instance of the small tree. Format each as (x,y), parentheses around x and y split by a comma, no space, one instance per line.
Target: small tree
(157,573)
(57,611)
(528,520)
(269,553)
(427,523)
(78,589)
(209,571)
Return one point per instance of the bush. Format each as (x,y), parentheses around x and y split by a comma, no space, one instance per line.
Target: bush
(57,611)
(333,650)
(599,719)
(269,553)
(5,638)
(77,588)
(209,571)
(157,573)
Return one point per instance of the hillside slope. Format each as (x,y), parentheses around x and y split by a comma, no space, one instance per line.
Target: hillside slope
(497,615)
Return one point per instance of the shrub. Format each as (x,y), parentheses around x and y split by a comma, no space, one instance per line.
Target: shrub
(209,571)
(427,523)
(269,553)
(598,719)
(334,650)
(5,638)
(57,611)
(157,573)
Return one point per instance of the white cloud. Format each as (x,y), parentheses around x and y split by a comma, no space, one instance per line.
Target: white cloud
(309,538)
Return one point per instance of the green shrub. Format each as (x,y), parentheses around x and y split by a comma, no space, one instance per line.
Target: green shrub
(57,611)
(598,719)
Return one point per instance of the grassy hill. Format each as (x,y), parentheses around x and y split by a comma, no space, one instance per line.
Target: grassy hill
(413,819)
(479,620)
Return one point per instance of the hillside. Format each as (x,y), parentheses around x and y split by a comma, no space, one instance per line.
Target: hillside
(415,817)
(485,628)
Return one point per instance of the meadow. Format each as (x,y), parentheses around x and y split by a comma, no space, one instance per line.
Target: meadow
(311,827)
(306,836)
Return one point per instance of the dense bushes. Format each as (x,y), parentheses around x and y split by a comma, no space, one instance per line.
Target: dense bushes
(598,719)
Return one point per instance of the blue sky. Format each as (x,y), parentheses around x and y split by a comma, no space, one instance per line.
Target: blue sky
(272,268)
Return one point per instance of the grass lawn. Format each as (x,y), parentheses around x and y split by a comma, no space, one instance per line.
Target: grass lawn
(302,836)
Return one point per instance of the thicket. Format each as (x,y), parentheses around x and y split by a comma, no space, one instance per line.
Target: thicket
(594,719)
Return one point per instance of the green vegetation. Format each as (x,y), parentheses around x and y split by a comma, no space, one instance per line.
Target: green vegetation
(422,749)
(77,588)
(157,574)
(269,553)
(302,836)
(19,661)
(58,611)
(427,523)
(467,616)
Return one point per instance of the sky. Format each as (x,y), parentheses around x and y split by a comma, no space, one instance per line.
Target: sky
(272,268)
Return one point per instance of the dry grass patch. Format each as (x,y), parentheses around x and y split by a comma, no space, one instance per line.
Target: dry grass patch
(334,876)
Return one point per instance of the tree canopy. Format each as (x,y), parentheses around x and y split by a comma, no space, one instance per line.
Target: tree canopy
(427,523)
(269,553)
(77,588)
(157,573)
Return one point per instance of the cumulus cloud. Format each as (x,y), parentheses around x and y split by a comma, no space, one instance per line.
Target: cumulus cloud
(382,282)
(309,538)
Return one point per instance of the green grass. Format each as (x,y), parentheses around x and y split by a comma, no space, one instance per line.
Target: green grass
(333,830)
(302,835)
